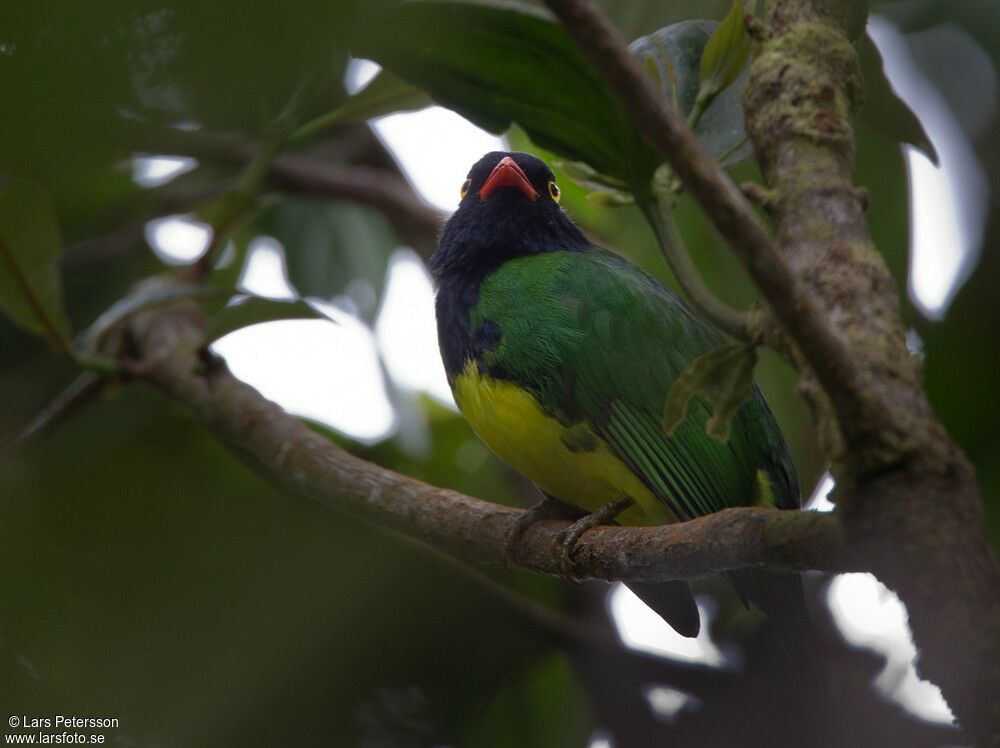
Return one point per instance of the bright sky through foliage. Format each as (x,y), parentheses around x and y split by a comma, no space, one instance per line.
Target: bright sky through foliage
(406,331)
(640,628)
(302,363)
(870,615)
(177,240)
(152,171)
(948,202)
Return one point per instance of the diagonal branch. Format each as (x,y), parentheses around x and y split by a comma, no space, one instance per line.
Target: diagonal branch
(417,222)
(292,456)
(666,130)
(80,391)
(913,509)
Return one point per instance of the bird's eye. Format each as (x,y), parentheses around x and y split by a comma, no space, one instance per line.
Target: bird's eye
(465,188)
(554,191)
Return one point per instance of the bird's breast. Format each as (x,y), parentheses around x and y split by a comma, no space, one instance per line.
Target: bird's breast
(570,462)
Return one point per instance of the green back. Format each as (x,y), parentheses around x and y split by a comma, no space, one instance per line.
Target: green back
(597,340)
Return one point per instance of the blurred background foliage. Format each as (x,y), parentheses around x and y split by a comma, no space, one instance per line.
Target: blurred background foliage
(147,574)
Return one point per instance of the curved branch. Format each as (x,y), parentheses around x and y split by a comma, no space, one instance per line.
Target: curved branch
(666,130)
(734,322)
(294,457)
(417,222)
(913,511)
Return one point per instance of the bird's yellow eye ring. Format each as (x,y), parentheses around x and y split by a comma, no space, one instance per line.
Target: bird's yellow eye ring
(465,188)
(554,191)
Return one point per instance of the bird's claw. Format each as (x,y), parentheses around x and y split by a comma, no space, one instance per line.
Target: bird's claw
(547,508)
(564,544)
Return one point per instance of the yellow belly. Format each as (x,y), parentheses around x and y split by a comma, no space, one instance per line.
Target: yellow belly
(571,463)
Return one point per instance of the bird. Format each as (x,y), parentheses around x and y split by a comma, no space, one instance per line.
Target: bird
(560,355)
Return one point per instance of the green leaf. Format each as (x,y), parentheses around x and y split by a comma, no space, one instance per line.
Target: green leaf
(333,248)
(601,189)
(675,54)
(255,310)
(883,110)
(583,174)
(499,63)
(611,198)
(726,53)
(386,93)
(30,247)
(723,377)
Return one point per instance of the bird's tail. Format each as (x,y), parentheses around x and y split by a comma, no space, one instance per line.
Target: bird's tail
(673,602)
(779,595)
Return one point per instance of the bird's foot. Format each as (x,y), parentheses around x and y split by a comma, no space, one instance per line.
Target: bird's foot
(547,508)
(565,542)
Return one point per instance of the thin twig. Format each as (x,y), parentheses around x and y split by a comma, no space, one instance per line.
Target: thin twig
(417,222)
(731,321)
(676,143)
(243,202)
(80,391)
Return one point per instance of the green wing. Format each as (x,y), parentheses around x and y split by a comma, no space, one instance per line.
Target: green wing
(600,341)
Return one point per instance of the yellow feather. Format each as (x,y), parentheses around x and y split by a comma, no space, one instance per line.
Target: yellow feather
(764,495)
(571,463)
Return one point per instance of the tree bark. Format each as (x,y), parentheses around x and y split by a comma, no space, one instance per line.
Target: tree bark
(910,502)
(907,497)
(908,505)
(167,343)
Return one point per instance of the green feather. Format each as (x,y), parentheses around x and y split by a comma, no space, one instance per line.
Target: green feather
(598,341)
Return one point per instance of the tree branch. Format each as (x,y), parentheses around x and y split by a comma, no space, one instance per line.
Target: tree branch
(296,458)
(733,322)
(576,635)
(822,344)
(417,222)
(915,509)
(78,393)
(912,509)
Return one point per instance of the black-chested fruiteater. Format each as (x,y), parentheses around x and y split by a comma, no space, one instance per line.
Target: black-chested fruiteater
(560,354)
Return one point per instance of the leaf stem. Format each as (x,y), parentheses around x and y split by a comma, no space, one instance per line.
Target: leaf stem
(245,202)
(721,158)
(255,171)
(58,338)
(94,362)
(81,390)
(733,322)
(701,103)
(317,124)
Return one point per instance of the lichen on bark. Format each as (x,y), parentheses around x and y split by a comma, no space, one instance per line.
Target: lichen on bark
(805,85)
(906,495)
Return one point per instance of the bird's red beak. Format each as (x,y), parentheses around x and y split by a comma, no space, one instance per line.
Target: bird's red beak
(507,174)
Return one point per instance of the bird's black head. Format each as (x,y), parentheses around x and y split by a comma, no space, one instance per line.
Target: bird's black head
(509,207)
